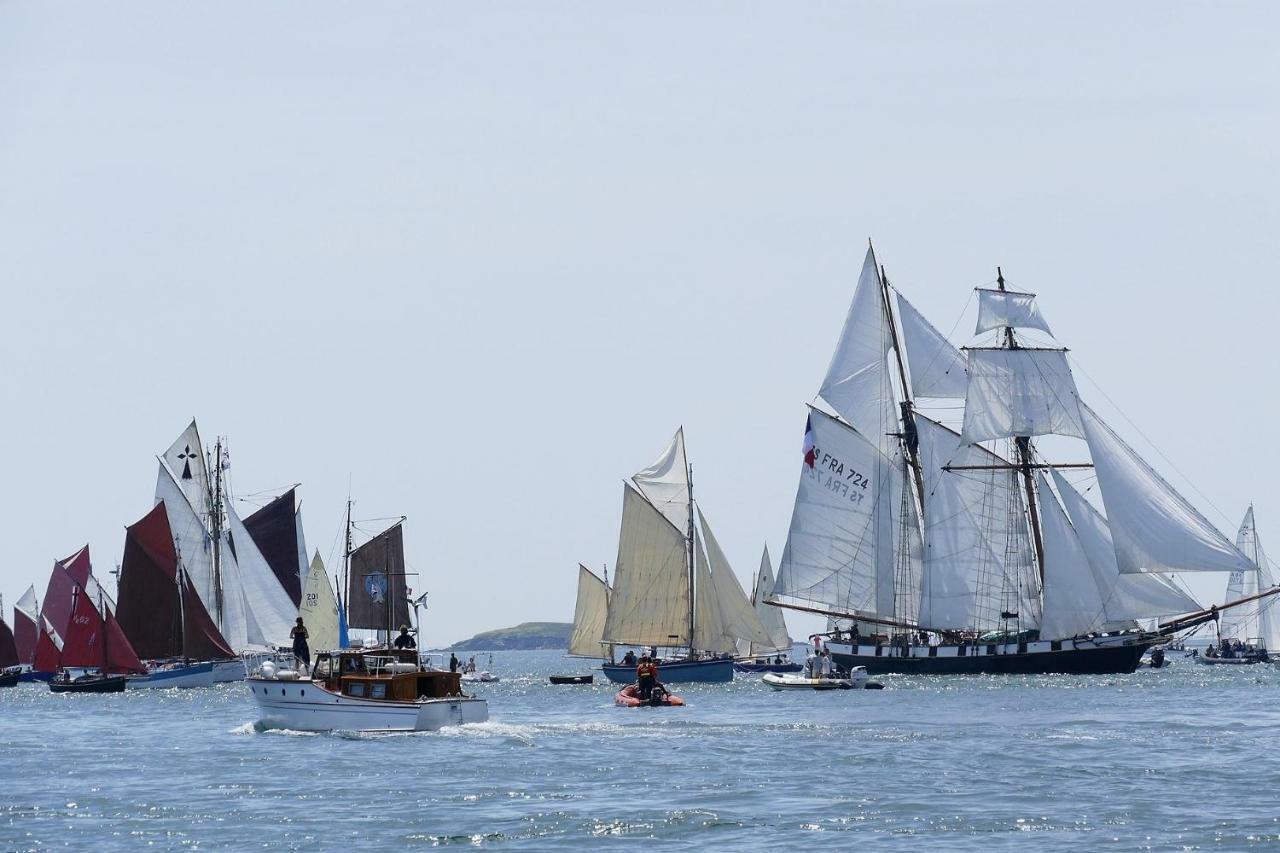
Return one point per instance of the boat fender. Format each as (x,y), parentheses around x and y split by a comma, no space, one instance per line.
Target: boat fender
(286,675)
(267,670)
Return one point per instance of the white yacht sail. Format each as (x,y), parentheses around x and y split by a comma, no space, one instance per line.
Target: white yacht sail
(649,605)
(589,615)
(770,617)
(270,609)
(710,628)
(1256,620)
(1073,604)
(937,367)
(319,608)
(738,617)
(1154,528)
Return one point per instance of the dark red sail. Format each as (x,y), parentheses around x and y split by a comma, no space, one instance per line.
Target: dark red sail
(376,594)
(94,638)
(59,598)
(78,566)
(8,648)
(274,529)
(151,604)
(48,653)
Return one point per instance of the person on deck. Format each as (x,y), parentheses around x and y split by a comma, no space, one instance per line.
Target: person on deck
(853,635)
(826,663)
(301,650)
(405,641)
(629,659)
(453,662)
(646,677)
(810,664)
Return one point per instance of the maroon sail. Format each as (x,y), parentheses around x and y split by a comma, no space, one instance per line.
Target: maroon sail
(151,603)
(274,529)
(48,652)
(8,648)
(376,594)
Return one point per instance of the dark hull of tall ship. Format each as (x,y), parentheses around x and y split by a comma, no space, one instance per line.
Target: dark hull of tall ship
(1101,656)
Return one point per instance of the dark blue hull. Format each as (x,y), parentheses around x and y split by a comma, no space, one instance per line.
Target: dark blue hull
(743,666)
(676,672)
(32,675)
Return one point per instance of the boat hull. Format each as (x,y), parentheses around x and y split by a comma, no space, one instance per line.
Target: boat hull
(677,672)
(190,675)
(781,681)
(34,675)
(306,706)
(228,671)
(767,667)
(10,679)
(104,684)
(572,679)
(629,697)
(1100,656)
(1205,659)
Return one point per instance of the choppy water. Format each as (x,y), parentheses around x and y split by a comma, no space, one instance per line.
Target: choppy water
(1183,757)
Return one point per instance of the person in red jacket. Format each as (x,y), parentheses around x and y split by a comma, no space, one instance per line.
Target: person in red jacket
(646,676)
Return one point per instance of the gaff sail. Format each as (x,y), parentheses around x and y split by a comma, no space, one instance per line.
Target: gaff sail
(377,596)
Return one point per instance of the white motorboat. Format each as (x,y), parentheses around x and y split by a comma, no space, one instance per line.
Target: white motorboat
(858,679)
(360,690)
(484,676)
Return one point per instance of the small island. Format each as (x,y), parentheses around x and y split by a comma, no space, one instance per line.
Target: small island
(526,635)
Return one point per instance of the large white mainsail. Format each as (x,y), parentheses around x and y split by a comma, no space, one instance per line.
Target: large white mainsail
(937,367)
(666,482)
(271,611)
(1256,620)
(1073,604)
(1125,597)
(589,614)
(840,550)
(319,608)
(738,617)
(1020,392)
(186,461)
(857,384)
(770,617)
(1154,528)
(650,601)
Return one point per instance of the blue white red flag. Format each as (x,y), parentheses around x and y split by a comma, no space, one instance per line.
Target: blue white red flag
(809,449)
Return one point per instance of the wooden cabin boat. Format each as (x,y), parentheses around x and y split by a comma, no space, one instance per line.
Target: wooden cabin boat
(361,690)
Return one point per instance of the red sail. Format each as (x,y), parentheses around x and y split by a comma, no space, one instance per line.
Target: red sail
(82,645)
(25,635)
(120,654)
(8,648)
(48,652)
(78,566)
(202,638)
(59,598)
(274,529)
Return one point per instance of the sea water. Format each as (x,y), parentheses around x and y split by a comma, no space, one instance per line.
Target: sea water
(1183,757)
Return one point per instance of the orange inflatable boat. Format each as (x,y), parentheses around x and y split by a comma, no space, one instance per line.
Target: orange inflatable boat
(629,697)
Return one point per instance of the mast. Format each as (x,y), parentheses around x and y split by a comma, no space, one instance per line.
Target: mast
(1025,460)
(907,406)
(346,551)
(689,537)
(215,528)
(102,622)
(180,577)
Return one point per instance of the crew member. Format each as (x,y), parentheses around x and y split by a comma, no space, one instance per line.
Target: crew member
(300,649)
(646,676)
(405,641)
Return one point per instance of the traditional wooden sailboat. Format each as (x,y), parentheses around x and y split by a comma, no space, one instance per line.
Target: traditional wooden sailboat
(953,542)
(589,615)
(10,664)
(26,630)
(773,656)
(95,656)
(673,586)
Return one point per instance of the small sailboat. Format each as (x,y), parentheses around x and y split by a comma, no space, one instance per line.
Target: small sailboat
(26,630)
(1249,633)
(589,615)
(95,656)
(10,665)
(673,586)
(773,656)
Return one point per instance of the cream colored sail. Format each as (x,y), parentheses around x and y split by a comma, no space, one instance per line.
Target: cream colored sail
(770,616)
(738,618)
(319,608)
(589,615)
(666,483)
(649,605)
(710,631)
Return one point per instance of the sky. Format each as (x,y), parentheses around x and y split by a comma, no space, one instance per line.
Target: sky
(477,262)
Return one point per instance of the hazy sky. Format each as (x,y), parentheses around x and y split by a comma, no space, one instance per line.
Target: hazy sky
(483,259)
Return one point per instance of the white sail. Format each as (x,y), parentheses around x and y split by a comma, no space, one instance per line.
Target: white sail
(739,619)
(1020,392)
(1125,597)
(710,624)
(27,605)
(1073,603)
(1154,527)
(770,617)
(650,601)
(195,554)
(1257,620)
(1000,308)
(973,525)
(589,614)
(840,547)
(937,368)
(186,461)
(270,610)
(304,570)
(319,608)
(666,483)
(857,384)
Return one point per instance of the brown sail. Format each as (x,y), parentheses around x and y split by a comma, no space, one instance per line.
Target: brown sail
(274,529)
(376,592)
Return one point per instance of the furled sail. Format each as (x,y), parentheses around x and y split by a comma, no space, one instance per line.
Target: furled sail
(770,617)
(839,554)
(649,605)
(1125,597)
(666,483)
(978,560)
(275,531)
(268,606)
(739,619)
(1073,603)
(1256,620)
(1000,308)
(319,608)
(26,620)
(186,461)
(857,384)
(589,615)
(1154,527)
(937,367)
(377,596)
(1020,392)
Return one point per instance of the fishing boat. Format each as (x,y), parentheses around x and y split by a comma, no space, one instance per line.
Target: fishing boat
(629,697)
(673,586)
(360,690)
(95,656)
(774,655)
(953,542)
(858,679)
(571,679)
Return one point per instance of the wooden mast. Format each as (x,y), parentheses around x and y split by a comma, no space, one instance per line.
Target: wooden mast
(692,533)
(1025,460)
(908,406)
(215,529)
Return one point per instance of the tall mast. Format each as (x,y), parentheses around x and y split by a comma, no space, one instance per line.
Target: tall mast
(907,409)
(690,560)
(180,577)
(215,528)
(346,549)
(102,622)
(1025,460)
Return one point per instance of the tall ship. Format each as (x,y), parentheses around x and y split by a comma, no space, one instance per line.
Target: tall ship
(674,592)
(966,548)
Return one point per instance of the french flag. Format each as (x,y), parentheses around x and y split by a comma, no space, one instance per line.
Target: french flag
(810,451)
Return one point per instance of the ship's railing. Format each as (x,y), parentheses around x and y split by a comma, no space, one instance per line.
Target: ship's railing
(273,664)
(387,665)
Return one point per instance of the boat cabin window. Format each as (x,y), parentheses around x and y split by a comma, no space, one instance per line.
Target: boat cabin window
(322,667)
(356,688)
(378,691)
(352,663)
